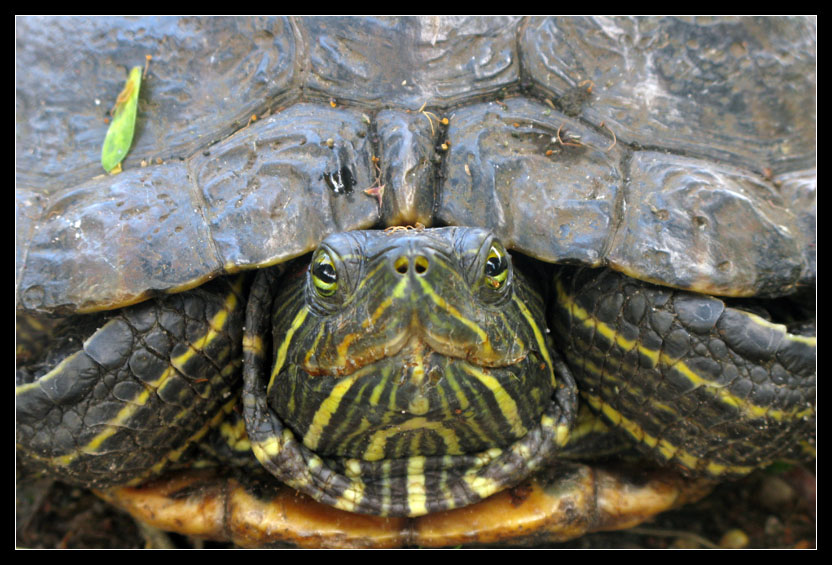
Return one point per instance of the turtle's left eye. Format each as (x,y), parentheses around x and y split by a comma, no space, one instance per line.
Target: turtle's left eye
(496,266)
(324,275)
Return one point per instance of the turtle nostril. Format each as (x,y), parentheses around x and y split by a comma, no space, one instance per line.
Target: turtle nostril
(401,265)
(420,264)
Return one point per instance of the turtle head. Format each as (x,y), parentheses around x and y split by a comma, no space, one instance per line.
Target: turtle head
(409,353)
(412,343)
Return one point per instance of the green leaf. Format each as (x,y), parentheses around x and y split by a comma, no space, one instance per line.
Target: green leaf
(120,135)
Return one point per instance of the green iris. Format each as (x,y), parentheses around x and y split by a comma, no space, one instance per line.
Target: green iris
(324,276)
(496,266)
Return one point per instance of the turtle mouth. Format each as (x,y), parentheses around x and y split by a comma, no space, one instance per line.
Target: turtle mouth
(357,350)
(414,400)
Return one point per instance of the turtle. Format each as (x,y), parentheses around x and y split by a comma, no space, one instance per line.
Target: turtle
(612,300)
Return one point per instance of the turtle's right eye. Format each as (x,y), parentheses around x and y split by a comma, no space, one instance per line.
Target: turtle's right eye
(324,276)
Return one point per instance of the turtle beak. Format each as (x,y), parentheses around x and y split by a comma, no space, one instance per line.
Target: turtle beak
(432,295)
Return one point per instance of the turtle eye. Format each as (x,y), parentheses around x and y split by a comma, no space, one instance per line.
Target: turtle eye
(324,276)
(496,266)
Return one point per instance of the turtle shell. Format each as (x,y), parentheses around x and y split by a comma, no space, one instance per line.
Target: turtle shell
(680,152)
(676,151)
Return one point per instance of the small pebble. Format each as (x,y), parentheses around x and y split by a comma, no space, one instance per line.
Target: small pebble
(734,539)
